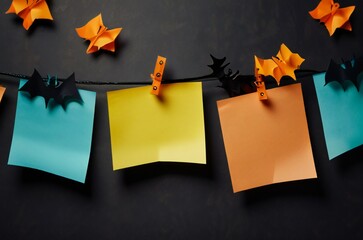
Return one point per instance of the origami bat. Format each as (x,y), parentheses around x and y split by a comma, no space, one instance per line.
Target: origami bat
(29,10)
(284,64)
(98,35)
(332,16)
(61,92)
(233,83)
(348,71)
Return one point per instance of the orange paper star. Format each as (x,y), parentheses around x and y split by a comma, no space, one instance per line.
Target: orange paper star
(98,35)
(284,64)
(29,10)
(332,16)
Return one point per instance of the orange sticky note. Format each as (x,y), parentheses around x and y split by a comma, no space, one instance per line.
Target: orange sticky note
(30,10)
(266,142)
(330,13)
(98,35)
(284,64)
(2,91)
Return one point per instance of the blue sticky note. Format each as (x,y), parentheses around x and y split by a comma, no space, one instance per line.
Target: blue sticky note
(53,139)
(341,113)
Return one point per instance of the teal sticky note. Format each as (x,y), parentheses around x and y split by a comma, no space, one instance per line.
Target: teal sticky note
(53,139)
(341,113)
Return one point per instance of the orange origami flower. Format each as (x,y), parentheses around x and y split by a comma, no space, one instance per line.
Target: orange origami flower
(29,10)
(98,35)
(332,16)
(284,64)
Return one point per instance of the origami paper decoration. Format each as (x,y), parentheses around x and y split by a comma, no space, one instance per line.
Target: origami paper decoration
(29,10)
(266,142)
(330,13)
(2,91)
(52,139)
(348,71)
(98,35)
(341,114)
(61,92)
(146,128)
(284,64)
(233,83)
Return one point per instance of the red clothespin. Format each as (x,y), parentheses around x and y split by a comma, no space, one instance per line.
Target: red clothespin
(260,84)
(157,76)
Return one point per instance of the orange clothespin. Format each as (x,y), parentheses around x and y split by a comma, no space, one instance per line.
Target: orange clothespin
(2,90)
(260,84)
(157,76)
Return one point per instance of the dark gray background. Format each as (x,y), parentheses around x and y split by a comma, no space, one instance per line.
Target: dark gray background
(175,201)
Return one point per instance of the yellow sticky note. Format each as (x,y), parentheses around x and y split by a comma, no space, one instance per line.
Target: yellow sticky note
(146,128)
(2,91)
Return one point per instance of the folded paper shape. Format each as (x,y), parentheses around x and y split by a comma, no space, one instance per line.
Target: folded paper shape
(98,35)
(350,70)
(284,64)
(330,13)
(341,114)
(52,139)
(62,92)
(29,10)
(2,91)
(234,83)
(266,142)
(146,128)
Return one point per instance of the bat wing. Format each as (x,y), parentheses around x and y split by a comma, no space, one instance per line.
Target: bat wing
(353,69)
(335,73)
(36,87)
(67,92)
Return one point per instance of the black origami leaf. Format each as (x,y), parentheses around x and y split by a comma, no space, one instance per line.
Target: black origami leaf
(347,71)
(233,83)
(61,92)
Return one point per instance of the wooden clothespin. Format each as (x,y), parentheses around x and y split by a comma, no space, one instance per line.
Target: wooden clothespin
(157,76)
(260,84)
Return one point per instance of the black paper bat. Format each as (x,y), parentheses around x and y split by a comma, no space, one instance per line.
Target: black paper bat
(233,83)
(61,92)
(347,71)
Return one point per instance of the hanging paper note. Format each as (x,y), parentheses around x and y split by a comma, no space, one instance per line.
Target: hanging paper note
(98,35)
(146,128)
(330,13)
(266,142)
(53,139)
(29,10)
(284,64)
(341,114)
(2,91)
